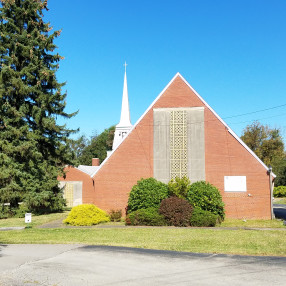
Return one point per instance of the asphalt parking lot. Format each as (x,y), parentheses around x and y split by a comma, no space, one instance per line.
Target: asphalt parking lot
(102,265)
(280,211)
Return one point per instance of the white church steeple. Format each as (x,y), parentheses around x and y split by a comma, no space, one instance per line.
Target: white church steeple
(125,113)
(124,126)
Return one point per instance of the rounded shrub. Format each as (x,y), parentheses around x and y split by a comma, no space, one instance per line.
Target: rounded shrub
(146,193)
(176,211)
(179,187)
(148,216)
(87,214)
(203,218)
(206,197)
(115,215)
(279,192)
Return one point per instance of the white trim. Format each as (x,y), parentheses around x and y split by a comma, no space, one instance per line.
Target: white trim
(215,114)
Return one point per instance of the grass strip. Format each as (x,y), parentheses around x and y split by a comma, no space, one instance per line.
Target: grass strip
(280,201)
(36,220)
(276,223)
(243,242)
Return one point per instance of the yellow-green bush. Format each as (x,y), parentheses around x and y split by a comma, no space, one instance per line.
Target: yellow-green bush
(279,192)
(86,215)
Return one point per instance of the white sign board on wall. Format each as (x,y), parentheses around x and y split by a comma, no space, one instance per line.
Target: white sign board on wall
(235,183)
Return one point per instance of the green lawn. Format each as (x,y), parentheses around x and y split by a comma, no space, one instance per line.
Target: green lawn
(280,201)
(243,242)
(42,219)
(276,223)
(212,240)
(36,220)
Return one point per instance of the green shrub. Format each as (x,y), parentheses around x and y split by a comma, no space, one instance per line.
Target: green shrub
(279,192)
(21,211)
(115,215)
(179,187)
(146,193)
(203,218)
(206,197)
(148,216)
(86,215)
(6,211)
(176,211)
(18,212)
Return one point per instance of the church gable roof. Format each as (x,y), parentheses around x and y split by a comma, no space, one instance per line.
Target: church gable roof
(222,121)
(180,77)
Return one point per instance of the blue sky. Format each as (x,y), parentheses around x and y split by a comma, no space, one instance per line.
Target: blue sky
(232,52)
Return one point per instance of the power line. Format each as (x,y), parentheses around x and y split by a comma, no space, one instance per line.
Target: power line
(212,120)
(258,119)
(261,110)
(238,115)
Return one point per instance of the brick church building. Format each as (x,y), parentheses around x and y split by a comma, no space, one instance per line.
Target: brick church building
(178,135)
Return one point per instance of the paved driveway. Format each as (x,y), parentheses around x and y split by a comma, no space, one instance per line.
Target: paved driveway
(99,265)
(279,211)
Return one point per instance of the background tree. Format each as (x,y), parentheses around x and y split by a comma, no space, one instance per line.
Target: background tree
(33,147)
(268,145)
(96,147)
(79,144)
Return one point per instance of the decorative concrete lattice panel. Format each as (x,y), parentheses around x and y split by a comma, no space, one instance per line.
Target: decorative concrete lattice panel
(68,194)
(178,144)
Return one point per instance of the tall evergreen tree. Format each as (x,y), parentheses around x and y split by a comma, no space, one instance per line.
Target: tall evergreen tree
(33,146)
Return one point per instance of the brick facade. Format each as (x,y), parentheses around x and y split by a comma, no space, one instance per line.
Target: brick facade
(224,156)
(73,174)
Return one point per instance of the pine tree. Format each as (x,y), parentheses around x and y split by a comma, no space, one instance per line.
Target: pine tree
(33,146)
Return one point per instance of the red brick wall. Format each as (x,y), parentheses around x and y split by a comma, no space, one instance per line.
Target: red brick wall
(225,156)
(73,174)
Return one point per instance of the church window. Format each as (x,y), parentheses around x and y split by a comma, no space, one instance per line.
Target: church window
(178,144)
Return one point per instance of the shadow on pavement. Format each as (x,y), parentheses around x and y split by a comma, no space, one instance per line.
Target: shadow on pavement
(280,211)
(1,248)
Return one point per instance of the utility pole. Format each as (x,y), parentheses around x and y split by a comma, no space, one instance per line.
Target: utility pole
(271,192)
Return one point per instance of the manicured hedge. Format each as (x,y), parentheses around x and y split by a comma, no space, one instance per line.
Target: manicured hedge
(86,214)
(147,193)
(176,211)
(149,216)
(154,203)
(206,197)
(203,218)
(179,187)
